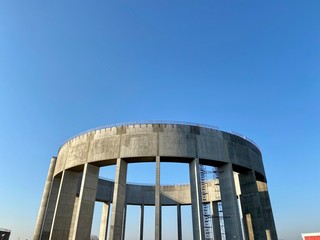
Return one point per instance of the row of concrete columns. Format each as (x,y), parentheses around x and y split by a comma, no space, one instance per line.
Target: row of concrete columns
(105,221)
(63,215)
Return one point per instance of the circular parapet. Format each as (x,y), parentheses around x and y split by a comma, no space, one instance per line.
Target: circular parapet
(142,142)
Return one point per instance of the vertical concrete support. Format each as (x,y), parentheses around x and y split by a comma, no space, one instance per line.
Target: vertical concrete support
(87,197)
(251,206)
(196,200)
(74,216)
(229,202)
(216,221)
(267,211)
(124,221)
(64,207)
(104,221)
(45,199)
(141,221)
(157,202)
(179,222)
(48,218)
(119,199)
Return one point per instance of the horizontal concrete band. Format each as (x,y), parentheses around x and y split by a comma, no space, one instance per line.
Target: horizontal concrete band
(145,195)
(172,142)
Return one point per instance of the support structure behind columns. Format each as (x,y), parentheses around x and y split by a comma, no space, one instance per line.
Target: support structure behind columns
(216,221)
(251,206)
(229,202)
(87,197)
(45,200)
(104,221)
(119,199)
(196,200)
(157,202)
(141,221)
(179,222)
(64,207)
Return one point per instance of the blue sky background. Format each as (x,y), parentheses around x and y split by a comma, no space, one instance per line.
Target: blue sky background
(247,66)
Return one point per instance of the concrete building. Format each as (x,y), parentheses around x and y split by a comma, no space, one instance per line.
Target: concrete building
(234,205)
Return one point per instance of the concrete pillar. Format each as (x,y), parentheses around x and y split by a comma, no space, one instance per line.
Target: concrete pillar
(104,221)
(267,211)
(141,221)
(179,222)
(251,206)
(124,221)
(229,202)
(44,200)
(196,200)
(216,221)
(157,202)
(73,220)
(87,197)
(64,207)
(48,218)
(119,199)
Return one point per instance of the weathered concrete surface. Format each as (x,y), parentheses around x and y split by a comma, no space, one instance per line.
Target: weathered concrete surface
(85,207)
(119,200)
(149,140)
(216,221)
(251,206)
(104,221)
(229,203)
(150,143)
(45,200)
(196,200)
(64,207)
(157,229)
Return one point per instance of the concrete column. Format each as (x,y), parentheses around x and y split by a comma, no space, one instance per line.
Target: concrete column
(73,220)
(216,221)
(179,222)
(64,207)
(119,199)
(48,218)
(141,221)
(229,202)
(157,202)
(196,200)
(87,197)
(45,199)
(251,206)
(104,221)
(124,221)
(267,211)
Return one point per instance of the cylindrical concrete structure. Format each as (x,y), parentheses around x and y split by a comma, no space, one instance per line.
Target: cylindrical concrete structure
(75,185)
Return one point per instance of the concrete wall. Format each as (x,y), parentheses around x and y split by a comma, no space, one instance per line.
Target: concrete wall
(67,209)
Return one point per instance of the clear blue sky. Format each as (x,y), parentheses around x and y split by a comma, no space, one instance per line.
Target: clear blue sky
(247,66)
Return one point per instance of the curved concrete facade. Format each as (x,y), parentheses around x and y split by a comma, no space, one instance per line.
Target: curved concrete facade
(73,183)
